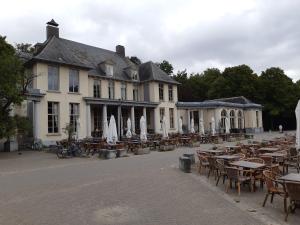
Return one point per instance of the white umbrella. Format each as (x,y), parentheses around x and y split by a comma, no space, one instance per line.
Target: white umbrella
(180,126)
(164,128)
(112,135)
(297,112)
(201,127)
(213,126)
(227,125)
(192,126)
(143,134)
(128,133)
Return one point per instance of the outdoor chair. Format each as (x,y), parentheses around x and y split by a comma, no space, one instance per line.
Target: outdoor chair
(258,175)
(221,172)
(293,160)
(293,190)
(203,161)
(212,166)
(273,188)
(236,175)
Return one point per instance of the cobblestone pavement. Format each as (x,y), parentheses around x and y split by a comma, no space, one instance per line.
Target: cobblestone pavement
(36,188)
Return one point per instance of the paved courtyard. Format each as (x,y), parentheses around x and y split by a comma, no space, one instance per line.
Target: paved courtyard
(36,188)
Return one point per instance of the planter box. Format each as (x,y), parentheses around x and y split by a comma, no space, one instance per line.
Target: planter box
(166,147)
(121,152)
(142,151)
(109,154)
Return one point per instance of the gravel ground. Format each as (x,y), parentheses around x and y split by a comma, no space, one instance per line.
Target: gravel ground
(36,188)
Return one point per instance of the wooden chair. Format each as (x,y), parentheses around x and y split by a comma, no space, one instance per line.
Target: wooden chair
(273,188)
(293,161)
(293,190)
(203,161)
(236,175)
(258,175)
(212,166)
(221,172)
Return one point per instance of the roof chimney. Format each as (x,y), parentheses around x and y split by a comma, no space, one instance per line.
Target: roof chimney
(52,29)
(120,50)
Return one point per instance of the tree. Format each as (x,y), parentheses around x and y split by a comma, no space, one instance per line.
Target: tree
(24,47)
(13,86)
(166,67)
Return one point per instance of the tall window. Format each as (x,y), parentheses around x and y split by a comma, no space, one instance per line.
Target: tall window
(170,92)
(73,81)
(161,114)
(161,92)
(53,78)
(97,89)
(53,117)
(74,115)
(134,75)
(135,92)
(111,89)
(232,124)
(240,120)
(123,91)
(171,115)
(109,69)
(223,118)
(257,119)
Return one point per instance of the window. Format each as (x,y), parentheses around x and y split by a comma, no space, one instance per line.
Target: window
(223,118)
(257,119)
(109,69)
(97,89)
(73,81)
(134,75)
(170,92)
(232,123)
(74,115)
(161,114)
(123,91)
(171,112)
(240,120)
(111,89)
(53,117)
(161,92)
(53,78)
(135,92)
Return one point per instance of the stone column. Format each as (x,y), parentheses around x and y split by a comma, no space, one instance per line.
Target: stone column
(188,121)
(119,121)
(104,114)
(200,116)
(145,116)
(88,120)
(36,119)
(132,120)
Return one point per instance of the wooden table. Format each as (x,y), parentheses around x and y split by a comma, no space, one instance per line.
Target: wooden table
(185,140)
(211,151)
(248,165)
(268,149)
(228,157)
(291,177)
(274,154)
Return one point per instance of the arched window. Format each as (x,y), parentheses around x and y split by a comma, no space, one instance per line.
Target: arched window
(232,125)
(240,119)
(223,118)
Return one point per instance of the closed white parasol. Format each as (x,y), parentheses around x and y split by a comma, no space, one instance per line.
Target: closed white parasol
(143,128)
(128,133)
(112,135)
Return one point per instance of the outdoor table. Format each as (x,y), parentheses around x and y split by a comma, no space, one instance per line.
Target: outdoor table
(185,140)
(233,148)
(268,149)
(211,151)
(274,154)
(228,157)
(291,177)
(248,165)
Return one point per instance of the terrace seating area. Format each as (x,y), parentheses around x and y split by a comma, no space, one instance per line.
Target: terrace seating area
(270,166)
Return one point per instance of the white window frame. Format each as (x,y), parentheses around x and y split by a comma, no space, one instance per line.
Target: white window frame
(109,69)
(74,109)
(54,115)
(97,88)
(53,79)
(73,78)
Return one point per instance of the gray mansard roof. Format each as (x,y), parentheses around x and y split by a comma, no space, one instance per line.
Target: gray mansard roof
(66,52)
(234,102)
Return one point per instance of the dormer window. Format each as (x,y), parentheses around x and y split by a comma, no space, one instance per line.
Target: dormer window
(134,75)
(109,69)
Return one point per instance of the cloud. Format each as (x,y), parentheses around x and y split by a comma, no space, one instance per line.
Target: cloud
(190,34)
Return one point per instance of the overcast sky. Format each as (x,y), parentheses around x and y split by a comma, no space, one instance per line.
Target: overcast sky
(190,34)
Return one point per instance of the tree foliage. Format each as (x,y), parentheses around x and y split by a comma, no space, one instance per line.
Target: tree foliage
(166,67)
(13,85)
(272,88)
